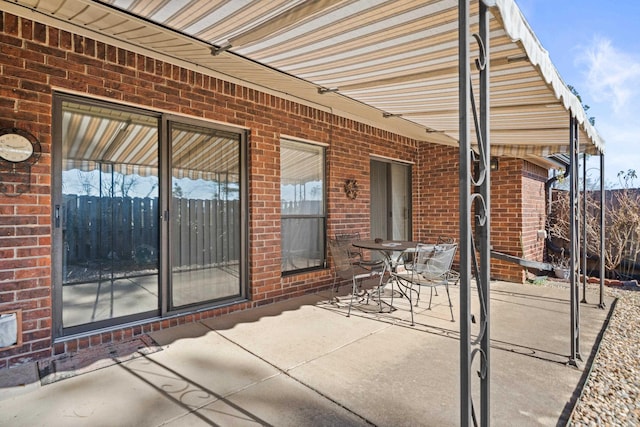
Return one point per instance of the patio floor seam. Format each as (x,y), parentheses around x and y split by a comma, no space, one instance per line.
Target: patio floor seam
(287,371)
(499,345)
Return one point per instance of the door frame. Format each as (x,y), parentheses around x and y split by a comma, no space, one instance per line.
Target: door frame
(389,198)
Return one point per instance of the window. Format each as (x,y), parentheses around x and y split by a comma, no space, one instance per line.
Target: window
(303,206)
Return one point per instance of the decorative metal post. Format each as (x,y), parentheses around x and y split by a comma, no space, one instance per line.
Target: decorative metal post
(464,75)
(574,356)
(583,264)
(483,224)
(602,220)
(576,281)
(474,353)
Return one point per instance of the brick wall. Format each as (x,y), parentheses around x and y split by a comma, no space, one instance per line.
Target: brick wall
(25,235)
(436,193)
(517,206)
(38,59)
(517,213)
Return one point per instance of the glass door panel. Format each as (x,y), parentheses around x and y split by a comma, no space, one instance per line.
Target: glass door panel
(108,208)
(378,206)
(400,201)
(205,215)
(390,200)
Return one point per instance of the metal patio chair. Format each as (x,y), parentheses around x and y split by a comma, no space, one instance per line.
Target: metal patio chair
(355,254)
(431,267)
(345,269)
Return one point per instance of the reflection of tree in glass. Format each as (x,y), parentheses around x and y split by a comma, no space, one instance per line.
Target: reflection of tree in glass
(226,190)
(223,189)
(315,191)
(177,190)
(151,190)
(85,181)
(119,185)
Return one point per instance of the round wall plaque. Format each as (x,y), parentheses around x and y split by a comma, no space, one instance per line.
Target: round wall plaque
(18,146)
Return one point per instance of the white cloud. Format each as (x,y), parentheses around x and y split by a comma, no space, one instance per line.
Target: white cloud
(613,76)
(611,87)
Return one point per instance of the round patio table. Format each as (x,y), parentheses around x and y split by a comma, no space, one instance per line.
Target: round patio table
(387,248)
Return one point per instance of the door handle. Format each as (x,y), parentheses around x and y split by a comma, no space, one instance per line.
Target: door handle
(56,216)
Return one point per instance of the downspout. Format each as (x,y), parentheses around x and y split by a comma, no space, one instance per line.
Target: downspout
(547,187)
(553,179)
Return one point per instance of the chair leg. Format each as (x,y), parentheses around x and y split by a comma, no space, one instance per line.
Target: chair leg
(405,290)
(450,305)
(413,323)
(354,289)
(390,306)
(369,294)
(431,297)
(333,289)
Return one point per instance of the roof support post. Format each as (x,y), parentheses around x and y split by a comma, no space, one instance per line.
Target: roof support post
(583,266)
(464,75)
(602,225)
(574,355)
(483,224)
(474,194)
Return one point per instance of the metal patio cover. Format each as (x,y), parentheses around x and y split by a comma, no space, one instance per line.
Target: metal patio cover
(392,64)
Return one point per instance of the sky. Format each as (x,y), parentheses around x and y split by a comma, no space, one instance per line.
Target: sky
(595,46)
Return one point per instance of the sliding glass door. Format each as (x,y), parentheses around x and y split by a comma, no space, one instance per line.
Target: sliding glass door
(106,214)
(205,224)
(390,200)
(149,215)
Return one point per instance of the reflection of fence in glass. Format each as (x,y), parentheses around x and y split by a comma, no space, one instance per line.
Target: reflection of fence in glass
(110,228)
(118,236)
(205,232)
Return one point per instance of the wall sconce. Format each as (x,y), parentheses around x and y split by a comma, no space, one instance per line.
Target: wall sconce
(351,188)
(493,164)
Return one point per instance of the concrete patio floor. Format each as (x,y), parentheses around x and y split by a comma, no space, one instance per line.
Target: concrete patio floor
(302,362)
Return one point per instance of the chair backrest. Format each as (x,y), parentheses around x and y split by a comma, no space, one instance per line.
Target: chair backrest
(434,261)
(341,260)
(445,239)
(347,239)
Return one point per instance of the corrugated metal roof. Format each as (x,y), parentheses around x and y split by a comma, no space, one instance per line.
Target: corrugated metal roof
(388,63)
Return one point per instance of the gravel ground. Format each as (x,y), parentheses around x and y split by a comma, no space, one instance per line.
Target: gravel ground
(611,395)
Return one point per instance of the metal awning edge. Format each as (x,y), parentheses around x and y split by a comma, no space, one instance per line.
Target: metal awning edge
(518,29)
